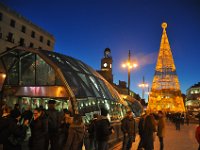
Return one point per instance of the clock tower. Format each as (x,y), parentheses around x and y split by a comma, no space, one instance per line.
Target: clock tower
(106,66)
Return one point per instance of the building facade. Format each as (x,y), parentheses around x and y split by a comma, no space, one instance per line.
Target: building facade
(15,30)
(192,101)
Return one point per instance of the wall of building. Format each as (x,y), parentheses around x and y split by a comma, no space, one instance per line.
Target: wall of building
(21,29)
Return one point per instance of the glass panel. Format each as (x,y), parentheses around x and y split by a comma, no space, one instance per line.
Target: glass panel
(95,87)
(13,76)
(28,70)
(45,75)
(103,89)
(83,67)
(72,64)
(74,83)
(94,82)
(112,91)
(85,84)
(9,59)
(103,85)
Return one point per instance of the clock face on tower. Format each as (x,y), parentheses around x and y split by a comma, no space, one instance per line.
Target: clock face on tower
(105,64)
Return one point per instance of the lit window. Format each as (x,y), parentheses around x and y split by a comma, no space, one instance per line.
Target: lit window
(192,92)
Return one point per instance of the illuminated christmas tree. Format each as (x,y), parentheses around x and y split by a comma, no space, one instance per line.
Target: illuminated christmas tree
(165,93)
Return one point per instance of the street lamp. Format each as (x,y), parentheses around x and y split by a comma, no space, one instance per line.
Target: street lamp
(130,66)
(143,85)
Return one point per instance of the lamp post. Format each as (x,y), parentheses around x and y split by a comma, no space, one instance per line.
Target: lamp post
(143,85)
(129,65)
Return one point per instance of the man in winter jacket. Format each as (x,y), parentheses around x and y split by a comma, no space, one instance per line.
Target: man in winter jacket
(54,122)
(92,132)
(128,129)
(103,130)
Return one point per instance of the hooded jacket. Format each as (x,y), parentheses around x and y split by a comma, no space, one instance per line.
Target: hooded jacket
(75,137)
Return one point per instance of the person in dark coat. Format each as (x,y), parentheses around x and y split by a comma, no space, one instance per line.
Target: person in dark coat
(92,133)
(75,135)
(103,130)
(54,121)
(141,131)
(149,129)
(27,114)
(64,129)
(12,133)
(161,129)
(16,109)
(128,129)
(39,131)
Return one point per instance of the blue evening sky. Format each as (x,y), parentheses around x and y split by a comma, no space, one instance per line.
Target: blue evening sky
(84,28)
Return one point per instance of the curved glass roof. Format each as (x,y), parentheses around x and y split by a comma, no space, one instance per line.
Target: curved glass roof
(78,78)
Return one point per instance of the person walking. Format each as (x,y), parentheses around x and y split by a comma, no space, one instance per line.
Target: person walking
(161,129)
(39,131)
(75,135)
(178,121)
(103,130)
(128,129)
(187,119)
(149,129)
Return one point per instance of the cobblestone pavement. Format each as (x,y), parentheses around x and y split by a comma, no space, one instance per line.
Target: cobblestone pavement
(173,140)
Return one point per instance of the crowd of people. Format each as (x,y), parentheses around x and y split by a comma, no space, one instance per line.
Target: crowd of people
(53,130)
(149,125)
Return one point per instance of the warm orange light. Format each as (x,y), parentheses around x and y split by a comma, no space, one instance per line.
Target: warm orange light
(4,75)
(129,65)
